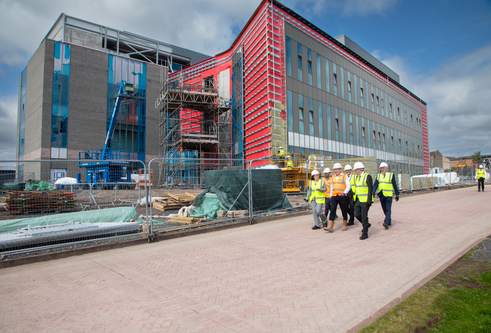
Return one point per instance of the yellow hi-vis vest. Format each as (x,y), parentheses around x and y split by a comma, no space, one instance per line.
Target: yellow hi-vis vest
(281,153)
(480,173)
(314,193)
(289,163)
(385,184)
(353,185)
(361,188)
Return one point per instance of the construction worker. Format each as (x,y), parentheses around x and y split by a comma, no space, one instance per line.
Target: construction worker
(363,196)
(289,162)
(281,156)
(480,176)
(351,203)
(386,185)
(316,197)
(340,186)
(327,180)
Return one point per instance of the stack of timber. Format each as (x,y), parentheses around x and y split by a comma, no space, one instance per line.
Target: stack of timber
(174,201)
(186,220)
(27,202)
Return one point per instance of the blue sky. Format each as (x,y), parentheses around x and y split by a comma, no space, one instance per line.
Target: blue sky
(440,48)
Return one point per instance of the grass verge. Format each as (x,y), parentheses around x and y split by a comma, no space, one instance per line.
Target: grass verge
(457,300)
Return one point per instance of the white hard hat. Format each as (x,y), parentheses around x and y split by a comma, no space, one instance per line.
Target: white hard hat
(359,165)
(327,170)
(281,147)
(337,166)
(347,167)
(384,165)
(288,156)
(481,166)
(315,172)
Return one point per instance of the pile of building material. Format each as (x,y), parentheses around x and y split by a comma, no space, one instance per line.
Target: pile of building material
(174,201)
(27,202)
(178,220)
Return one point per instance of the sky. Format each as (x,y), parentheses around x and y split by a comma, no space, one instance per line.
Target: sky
(441,49)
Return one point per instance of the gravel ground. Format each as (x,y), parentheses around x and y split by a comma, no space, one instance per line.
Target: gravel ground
(483,251)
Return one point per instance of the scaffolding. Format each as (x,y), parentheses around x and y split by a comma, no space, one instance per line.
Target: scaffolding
(195,122)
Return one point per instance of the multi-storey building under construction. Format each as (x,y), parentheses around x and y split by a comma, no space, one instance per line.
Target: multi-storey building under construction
(292,85)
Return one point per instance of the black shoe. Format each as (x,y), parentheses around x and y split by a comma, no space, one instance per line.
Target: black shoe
(386,226)
(315,227)
(324,224)
(369,225)
(363,236)
(351,223)
(478,190)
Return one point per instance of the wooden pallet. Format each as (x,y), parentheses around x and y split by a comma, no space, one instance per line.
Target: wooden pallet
(174,201)
(187,220)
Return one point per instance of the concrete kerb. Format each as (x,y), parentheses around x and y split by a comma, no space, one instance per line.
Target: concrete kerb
(414,288)
(237,222)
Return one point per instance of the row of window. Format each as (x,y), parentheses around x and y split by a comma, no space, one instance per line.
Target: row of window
(354,129)
(358,92)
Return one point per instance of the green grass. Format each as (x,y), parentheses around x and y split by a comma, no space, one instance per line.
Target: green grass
(458,300)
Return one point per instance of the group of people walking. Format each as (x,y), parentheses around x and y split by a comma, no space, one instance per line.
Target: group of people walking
(353,193)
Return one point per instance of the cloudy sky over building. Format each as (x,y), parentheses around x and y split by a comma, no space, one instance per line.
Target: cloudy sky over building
(441,48)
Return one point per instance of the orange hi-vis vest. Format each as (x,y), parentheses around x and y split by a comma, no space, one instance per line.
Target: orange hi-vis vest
(328,185)
(338,184)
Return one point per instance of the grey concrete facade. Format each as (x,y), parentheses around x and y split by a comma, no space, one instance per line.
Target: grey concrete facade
(328,99)
(88,99)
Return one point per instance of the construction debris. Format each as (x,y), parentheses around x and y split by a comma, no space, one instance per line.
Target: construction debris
(27,202)
(186,220)
(174,201)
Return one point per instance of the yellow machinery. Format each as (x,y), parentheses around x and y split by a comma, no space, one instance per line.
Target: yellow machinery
(296,169)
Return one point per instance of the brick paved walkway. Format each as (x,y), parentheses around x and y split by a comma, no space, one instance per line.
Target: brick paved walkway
(277,276)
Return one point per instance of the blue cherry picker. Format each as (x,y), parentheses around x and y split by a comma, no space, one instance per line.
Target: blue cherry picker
(105,167)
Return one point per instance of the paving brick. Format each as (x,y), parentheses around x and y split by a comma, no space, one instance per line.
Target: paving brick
(278,276)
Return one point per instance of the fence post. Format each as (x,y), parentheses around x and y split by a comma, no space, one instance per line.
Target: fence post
(249,176)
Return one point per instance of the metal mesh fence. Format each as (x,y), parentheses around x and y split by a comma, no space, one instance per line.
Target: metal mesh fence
(161,192)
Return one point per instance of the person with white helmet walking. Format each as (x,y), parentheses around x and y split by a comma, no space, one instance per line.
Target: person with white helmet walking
(316,197)
(327,180)
(387,186)
(363,196)
(480,176)
(340,186)
(351,203)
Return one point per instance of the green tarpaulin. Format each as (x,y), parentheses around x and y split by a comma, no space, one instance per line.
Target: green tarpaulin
(118,214)
(232,190)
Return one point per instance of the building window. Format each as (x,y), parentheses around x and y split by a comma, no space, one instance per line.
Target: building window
(289,105)
(349,86)
(336,119)
(299,55)
(319,76)
(361,93)
(300,114)
(309,65)
(321,125)
(342,81)
(328,88)
(288,56)
(311,116)
(335,79)
(344,126)
(373,103)
(363,136)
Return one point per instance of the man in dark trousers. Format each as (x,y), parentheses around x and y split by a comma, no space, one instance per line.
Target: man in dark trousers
(387,186)
(351,202)
(363,196)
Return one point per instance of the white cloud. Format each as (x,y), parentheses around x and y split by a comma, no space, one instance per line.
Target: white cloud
(346,8)
(459,101)
(8,127)
(207,28)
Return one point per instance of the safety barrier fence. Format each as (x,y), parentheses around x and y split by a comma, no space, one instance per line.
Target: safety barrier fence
(36,194)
